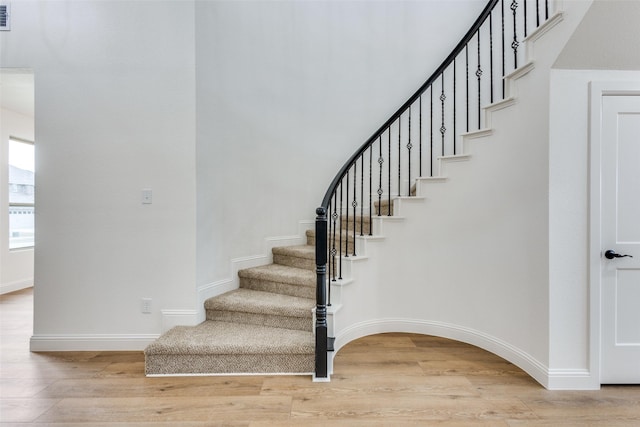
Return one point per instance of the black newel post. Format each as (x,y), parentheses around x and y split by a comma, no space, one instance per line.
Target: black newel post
(321,293)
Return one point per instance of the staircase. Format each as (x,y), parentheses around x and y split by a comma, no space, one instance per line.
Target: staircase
(265,326)
(277,320)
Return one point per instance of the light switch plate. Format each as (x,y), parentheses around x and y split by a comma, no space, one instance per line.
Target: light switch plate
(147,196)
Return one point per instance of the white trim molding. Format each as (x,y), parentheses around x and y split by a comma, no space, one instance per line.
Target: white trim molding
(16,286)
(523,360)
(171,318)
(98,342)
(571,379)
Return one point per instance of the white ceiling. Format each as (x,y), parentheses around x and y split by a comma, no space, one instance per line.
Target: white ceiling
(17,90)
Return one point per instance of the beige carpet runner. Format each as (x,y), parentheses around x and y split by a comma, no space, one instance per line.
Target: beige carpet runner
(265,326)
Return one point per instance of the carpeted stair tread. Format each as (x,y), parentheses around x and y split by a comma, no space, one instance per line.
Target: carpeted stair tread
(280,279)
(280,273)
(230,348)
(383,207)
(211,337)
(311,235)
(301,256)
(361,223)
(341,239)
(300,251)
(258,302)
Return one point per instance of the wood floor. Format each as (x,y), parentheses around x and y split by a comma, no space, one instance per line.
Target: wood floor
(381,380)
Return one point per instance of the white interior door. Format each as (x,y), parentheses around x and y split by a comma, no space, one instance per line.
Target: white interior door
(620,284)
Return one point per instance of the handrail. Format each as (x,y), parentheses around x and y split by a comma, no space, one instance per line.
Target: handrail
(335,238)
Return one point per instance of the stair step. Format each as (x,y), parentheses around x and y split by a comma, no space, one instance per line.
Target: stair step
(385,207)
(302,256)
(261,308)
(281,279)
(340,238)
(361,222)
(229,348)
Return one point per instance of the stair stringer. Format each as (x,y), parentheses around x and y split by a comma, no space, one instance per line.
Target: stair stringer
(484,282)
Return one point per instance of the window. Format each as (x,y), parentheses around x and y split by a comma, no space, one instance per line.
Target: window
(21,194)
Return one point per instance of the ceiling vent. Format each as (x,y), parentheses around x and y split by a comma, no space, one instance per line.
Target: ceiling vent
(5,16)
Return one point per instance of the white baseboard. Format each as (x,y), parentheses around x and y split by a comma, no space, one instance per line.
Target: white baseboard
(523,360)
(572,379)
(18,285)
(99,342)
(171,318)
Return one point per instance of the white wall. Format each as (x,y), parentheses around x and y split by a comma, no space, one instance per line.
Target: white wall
(606,39)
(16,266)
(115,113)
(287,91)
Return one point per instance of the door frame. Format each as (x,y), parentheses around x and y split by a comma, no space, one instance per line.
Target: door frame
(597,90)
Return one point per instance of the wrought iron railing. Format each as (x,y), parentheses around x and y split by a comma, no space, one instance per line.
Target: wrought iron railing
(406,146)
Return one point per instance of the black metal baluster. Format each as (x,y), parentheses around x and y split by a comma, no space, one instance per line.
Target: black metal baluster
(328,290)
(479,75)
(399,154)
(370,187)
(389,159)
(329,223)
(420,137)
(524,3)
(546,9)
(328,253)
(515,44)
(466,55)
(346,220)
(491,52)
(340,234)
(503,50)
(362,190)
(334,251)
(537,13)
(443,128)
(409,154)
(354,203)
(431,132)
(380,190)
(454,107)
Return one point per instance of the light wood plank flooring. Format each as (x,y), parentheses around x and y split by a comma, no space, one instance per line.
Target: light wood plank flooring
(381,380)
